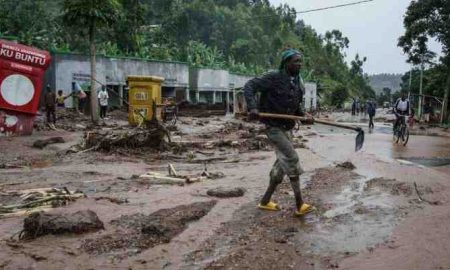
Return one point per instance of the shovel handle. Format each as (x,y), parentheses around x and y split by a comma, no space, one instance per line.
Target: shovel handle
(301,118)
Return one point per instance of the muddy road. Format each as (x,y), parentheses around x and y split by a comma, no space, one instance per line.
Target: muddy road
(368,217)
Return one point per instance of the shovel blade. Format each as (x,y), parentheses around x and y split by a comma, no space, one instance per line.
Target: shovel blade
(359,141)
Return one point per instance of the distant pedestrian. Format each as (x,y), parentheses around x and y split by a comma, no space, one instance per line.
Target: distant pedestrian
(353,107)
(60,99)
(411,118)
(50,105)
(103,100)
(427,110)
(82,97)
(371,110)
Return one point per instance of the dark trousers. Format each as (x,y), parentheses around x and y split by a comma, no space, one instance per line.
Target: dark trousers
(371,121)
(103,111)
(81,103)
(51,116)
(287,163)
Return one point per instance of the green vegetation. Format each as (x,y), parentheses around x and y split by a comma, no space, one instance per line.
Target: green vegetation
(427,19)
(244,36)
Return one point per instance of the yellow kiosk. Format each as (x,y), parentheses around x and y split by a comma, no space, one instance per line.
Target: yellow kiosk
(144,98)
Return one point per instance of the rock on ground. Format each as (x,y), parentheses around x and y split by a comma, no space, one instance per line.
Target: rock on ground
(41,223)
(346,165)
(223,192)
(43,143)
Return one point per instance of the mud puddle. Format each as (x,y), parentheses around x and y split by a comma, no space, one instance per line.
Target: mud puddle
(353,214)
(429,162)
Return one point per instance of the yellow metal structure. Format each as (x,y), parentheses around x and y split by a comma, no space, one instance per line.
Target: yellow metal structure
(143,92)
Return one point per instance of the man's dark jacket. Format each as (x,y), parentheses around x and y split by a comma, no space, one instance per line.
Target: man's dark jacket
(279,93)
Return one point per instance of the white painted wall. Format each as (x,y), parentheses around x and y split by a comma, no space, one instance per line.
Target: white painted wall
(310,97)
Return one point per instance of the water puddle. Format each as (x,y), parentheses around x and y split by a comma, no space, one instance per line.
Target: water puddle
(359,219)
(429,162)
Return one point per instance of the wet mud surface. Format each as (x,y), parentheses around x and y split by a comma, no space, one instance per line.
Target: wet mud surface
(352,214)
(366,203)
(136,232)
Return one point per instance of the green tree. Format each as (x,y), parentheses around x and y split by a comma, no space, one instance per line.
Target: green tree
(90,16)
(339,96)
(426,19)
(31,22)
(384,96)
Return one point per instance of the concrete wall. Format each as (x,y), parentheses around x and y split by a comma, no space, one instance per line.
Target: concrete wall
(310,97)
(238,81)
(74,68)
(208,80)
(69,68)
(175,74)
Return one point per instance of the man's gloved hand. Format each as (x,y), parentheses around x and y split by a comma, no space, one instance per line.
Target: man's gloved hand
(253,115)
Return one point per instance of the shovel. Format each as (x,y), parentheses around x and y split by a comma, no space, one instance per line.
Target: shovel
(359,141)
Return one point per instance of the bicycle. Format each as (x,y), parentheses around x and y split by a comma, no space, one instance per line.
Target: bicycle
(402,131)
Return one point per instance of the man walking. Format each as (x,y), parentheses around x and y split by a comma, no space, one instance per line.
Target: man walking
(371,110)
(280,92)
(353,106)
(103,100)
(50,106)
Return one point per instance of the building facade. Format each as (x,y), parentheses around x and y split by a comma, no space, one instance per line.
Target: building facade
(68,70)
(196,85)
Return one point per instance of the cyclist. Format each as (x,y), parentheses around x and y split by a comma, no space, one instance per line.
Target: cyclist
(401,108)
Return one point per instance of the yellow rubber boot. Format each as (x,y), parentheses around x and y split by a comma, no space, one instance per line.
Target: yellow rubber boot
(271,206)
(304,209)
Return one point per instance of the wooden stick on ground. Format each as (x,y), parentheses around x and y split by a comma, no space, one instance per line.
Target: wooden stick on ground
(41,201)
(422,199)
(172,171)
(158,179)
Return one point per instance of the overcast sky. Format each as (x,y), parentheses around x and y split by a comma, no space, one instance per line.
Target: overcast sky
(373,29)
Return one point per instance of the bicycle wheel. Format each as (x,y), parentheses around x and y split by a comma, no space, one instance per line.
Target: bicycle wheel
(405,135)
(395,136)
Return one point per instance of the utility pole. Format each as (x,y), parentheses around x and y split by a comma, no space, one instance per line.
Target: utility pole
(420,89)
(410,82)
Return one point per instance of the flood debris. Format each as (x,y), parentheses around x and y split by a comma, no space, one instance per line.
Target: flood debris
(41,223)
(43,143)
(423,199)
(137,232)
(22,201)
(112,199)
(65,121)
(226,192)
(160,179)
(393,186)
(346,165)
(174,178)
(152,137)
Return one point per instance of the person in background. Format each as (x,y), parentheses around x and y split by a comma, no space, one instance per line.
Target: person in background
(80,96)
(50,105)
(353,106)
(427,110)
(60,98)
(103,100)
(411,118)
(401,108)
(371,110)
